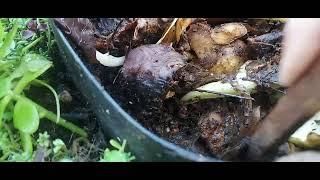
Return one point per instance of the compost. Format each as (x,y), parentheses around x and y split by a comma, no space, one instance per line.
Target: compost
(201,83)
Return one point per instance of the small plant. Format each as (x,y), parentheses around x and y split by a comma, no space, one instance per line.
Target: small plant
(20,66)
(24,57)
(118,154)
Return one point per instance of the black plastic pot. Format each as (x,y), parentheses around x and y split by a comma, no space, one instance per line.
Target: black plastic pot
(115,122)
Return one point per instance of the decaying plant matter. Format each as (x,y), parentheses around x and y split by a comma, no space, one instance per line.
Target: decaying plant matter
(201,83)
(208,43)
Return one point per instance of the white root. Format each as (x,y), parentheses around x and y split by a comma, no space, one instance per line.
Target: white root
(221,88)
(109,60)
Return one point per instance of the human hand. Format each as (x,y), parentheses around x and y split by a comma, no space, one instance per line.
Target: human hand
(301,47)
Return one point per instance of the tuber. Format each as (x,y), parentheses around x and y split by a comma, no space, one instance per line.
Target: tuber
(219,58)
(147,75)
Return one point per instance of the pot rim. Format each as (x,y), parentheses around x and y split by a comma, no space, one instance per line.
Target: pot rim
(170,146)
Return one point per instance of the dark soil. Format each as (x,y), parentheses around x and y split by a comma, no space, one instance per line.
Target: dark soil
(179,124)
(187,125)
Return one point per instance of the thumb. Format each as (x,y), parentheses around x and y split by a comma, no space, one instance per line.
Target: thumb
(301,47)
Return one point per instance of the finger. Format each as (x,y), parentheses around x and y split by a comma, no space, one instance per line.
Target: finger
(301,47)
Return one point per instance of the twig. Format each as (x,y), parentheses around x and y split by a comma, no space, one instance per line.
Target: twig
(165,34)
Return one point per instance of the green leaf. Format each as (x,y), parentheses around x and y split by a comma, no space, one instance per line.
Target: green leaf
(25,117)
(20,157)
(36,65)
(35,62)
(7,116)
(44,139)
(59,146)
(31,63)
(117,155)
(60,150)
(1,32)
(5,85)
(22,22)
(66,160)
(115,144)
(5,144)
(7,44)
